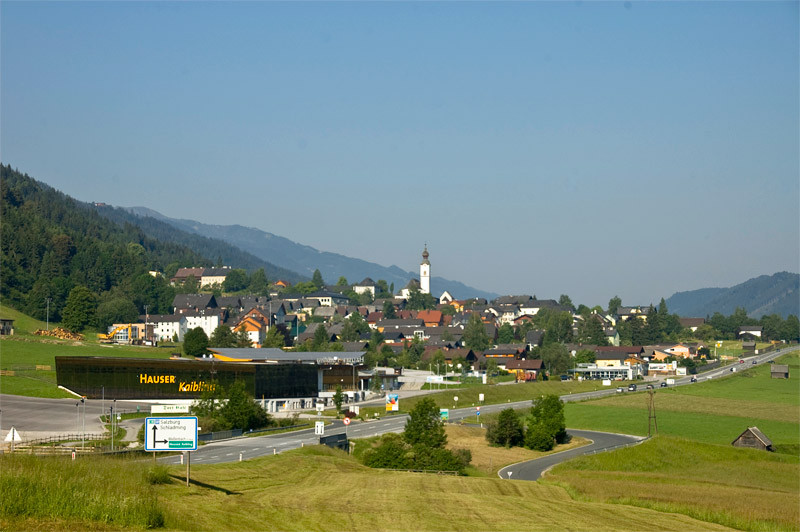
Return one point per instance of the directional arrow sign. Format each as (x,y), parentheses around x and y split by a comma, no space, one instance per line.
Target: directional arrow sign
(170,434)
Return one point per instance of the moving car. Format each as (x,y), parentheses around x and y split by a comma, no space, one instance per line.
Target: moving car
(620,389)
(693,379)
(649,386)
(663,384)
(631,387)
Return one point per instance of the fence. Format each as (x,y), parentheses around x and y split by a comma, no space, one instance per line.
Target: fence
(220,435)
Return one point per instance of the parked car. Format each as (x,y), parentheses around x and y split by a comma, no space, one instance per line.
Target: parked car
(631,387)
(620,389)
(663,384)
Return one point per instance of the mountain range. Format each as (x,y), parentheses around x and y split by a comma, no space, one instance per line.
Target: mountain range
(303,259)
(767,294)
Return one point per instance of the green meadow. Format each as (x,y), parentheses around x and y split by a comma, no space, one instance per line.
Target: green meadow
(715,411)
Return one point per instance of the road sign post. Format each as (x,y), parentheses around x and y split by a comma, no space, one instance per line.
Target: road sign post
(171,434)
(346,422)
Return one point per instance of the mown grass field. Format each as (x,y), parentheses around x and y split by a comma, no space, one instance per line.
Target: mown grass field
(315,488)
(741,488)
(713,412)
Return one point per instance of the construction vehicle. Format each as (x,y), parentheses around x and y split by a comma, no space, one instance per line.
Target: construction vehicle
(110,337)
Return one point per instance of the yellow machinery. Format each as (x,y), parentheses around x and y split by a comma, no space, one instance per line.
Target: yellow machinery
(109,338)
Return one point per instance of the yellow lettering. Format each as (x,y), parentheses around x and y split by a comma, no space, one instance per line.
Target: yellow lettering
(172,379)
(142,378)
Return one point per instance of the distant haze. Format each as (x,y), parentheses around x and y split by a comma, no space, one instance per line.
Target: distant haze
(588,148)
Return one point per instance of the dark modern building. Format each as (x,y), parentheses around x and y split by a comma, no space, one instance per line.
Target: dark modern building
(138,378)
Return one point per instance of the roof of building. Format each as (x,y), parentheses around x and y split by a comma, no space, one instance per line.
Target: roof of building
(531,364)
(216,272)
(272,354)
(779,368)
(194,301)
(758,434)
(691,322)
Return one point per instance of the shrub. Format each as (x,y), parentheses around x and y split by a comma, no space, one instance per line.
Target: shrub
(391,453)
(539,438)
(507,430)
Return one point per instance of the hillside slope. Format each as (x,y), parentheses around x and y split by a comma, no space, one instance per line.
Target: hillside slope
(767,294)
(305,259)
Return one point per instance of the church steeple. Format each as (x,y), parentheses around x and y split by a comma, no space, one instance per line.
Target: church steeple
(425,273)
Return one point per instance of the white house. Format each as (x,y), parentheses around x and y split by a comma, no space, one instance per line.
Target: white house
(165,327)
(208,321)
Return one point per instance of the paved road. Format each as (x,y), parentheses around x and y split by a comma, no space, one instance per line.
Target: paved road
(36,417)
(601,441)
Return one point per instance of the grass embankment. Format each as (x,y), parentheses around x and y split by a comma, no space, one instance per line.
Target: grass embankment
(716,411)
(60,494)
(321,489)
(740,488)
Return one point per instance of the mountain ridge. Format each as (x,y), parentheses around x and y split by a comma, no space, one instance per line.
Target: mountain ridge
(304,259)
(778,293)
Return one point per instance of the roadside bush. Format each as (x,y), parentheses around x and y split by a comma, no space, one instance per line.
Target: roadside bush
(391,453)
(507,430)
(539,438)
(437,459)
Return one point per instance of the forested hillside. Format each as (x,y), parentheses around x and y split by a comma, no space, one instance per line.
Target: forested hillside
(215,248)
(60,253)
(52,244)
(760,296)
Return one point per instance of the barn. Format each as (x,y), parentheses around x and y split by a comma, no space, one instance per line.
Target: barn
(754,439)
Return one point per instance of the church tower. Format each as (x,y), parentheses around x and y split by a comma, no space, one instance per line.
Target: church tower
(425,273)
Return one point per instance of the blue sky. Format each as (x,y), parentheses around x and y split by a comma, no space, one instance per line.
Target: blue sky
(588,148)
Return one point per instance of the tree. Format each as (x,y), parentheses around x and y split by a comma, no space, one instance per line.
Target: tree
(240,411)
(556,358)
(613,305)
(391,453)
(242,338)
(389,311)
(342,282)
(790,331)
(354,327)
(507,430)
(420,301)
(591,331)
(195,342)
(546,421)
(565,301)
(425,426)
(275,337)
(585,356)
(79,310)
(235,280)
(116,309)
(317,280)
(475,336)
(321,338)
(259,284)
(222,336)
(506,334)
(338,399)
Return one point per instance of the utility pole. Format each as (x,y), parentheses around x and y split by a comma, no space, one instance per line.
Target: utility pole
(145,322)
(652,422)
(48,300)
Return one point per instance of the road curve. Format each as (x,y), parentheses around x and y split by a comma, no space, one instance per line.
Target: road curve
(601,441)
